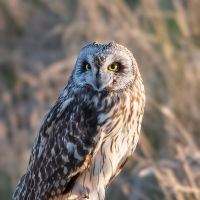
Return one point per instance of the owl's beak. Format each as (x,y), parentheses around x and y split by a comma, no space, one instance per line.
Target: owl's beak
(98,81)
(98,84)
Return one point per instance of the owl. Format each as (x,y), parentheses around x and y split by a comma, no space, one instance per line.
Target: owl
(91,131)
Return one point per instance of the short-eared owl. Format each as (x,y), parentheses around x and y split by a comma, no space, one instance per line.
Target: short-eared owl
(91,131)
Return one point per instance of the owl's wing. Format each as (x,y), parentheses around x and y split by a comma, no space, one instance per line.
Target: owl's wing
(65,144)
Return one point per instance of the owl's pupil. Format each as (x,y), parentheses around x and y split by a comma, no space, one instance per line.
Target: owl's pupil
(114,67)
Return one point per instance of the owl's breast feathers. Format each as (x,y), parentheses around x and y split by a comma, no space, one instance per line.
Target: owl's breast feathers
(69,138)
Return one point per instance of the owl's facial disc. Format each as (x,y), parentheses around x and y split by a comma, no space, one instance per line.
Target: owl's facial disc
(104,67)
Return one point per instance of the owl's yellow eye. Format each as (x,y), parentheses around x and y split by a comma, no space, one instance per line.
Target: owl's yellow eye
(113,67)
(87,67)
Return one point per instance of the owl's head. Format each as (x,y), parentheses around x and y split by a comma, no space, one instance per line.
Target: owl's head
(108,67)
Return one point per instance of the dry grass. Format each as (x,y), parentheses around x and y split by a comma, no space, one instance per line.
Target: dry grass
(39,41)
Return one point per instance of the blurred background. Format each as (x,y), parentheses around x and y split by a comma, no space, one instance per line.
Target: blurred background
(39,42)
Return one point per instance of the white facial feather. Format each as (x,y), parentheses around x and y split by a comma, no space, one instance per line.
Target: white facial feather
(109,80)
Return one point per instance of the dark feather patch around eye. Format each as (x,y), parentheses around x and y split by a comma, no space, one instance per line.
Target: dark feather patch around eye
(83,66)
(120,66)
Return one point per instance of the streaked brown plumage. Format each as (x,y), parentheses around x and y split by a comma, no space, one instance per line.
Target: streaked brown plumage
(91,131)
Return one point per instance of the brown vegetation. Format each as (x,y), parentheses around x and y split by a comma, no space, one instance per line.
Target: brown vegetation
(39,41)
